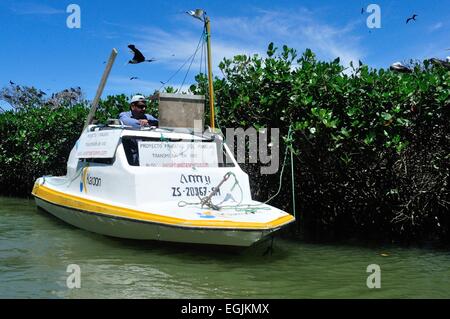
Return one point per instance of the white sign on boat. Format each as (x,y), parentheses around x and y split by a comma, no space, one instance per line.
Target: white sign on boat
(99,144)
(178,154)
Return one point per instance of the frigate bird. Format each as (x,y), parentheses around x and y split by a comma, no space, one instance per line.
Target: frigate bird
(445,64)
(138,56)
(412,18)
(399,67)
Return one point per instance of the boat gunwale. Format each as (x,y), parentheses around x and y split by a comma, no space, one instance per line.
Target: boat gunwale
(153,222)
(125,213)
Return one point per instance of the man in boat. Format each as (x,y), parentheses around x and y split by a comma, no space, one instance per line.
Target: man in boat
(136,117)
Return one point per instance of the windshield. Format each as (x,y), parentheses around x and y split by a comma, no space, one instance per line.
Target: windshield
(166,153)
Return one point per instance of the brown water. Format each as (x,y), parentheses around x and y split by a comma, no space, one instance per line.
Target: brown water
(36,249)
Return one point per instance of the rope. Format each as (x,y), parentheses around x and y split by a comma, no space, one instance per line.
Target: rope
(68,182)
(46,180)
(163,139)
(249,207)
(176,72)
(207,200)
(288,140)
(201,55)
(193,57)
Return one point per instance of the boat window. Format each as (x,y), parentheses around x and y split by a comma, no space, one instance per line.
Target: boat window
(175,152)
(107,161)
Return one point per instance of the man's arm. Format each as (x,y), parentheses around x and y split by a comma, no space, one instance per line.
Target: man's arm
(126,119)
(152,121)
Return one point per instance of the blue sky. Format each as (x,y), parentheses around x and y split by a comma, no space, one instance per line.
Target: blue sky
(37,47)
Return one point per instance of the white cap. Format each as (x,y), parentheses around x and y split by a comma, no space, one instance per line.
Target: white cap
(137,98)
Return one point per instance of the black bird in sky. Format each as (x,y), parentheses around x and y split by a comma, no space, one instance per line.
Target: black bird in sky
(362,10)
(11,82)
(138,56)
(412,18)
(134,78)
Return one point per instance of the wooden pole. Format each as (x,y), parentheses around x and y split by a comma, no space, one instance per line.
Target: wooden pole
(293,184)
(210,77)
(91,114)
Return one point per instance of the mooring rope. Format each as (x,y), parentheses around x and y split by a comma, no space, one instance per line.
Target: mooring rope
(207,201)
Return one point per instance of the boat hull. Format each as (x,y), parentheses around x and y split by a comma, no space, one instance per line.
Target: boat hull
(144,230)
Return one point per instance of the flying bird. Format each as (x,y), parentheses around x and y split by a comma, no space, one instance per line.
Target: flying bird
(134,78)
(412,18)
(362,10)
(398,67)
(138,56)
(11,82)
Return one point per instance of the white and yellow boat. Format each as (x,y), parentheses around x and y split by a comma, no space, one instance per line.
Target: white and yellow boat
(158,195)
(168,184)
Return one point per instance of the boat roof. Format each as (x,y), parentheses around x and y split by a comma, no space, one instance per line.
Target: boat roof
(160,132)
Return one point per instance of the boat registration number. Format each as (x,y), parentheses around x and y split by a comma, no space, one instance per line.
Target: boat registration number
(193,191)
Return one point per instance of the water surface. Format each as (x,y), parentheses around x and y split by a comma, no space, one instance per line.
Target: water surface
(36,248)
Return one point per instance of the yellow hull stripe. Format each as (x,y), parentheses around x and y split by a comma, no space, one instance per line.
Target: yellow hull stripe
(87,205)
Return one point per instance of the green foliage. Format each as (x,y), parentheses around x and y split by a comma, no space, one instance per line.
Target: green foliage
(371,146)
(36,139)
(364,140)
(35,142)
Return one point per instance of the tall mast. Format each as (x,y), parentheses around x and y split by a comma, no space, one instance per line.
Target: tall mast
(200,14)
(210,76)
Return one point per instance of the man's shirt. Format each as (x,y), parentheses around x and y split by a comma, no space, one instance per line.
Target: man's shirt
(127,119)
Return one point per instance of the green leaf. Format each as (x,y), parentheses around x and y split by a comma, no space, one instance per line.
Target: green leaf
(271,50)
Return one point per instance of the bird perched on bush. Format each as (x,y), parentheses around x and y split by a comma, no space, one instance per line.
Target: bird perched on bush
(445,64)
(399,67)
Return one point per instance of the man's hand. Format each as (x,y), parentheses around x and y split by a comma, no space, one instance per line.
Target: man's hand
(143,122)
